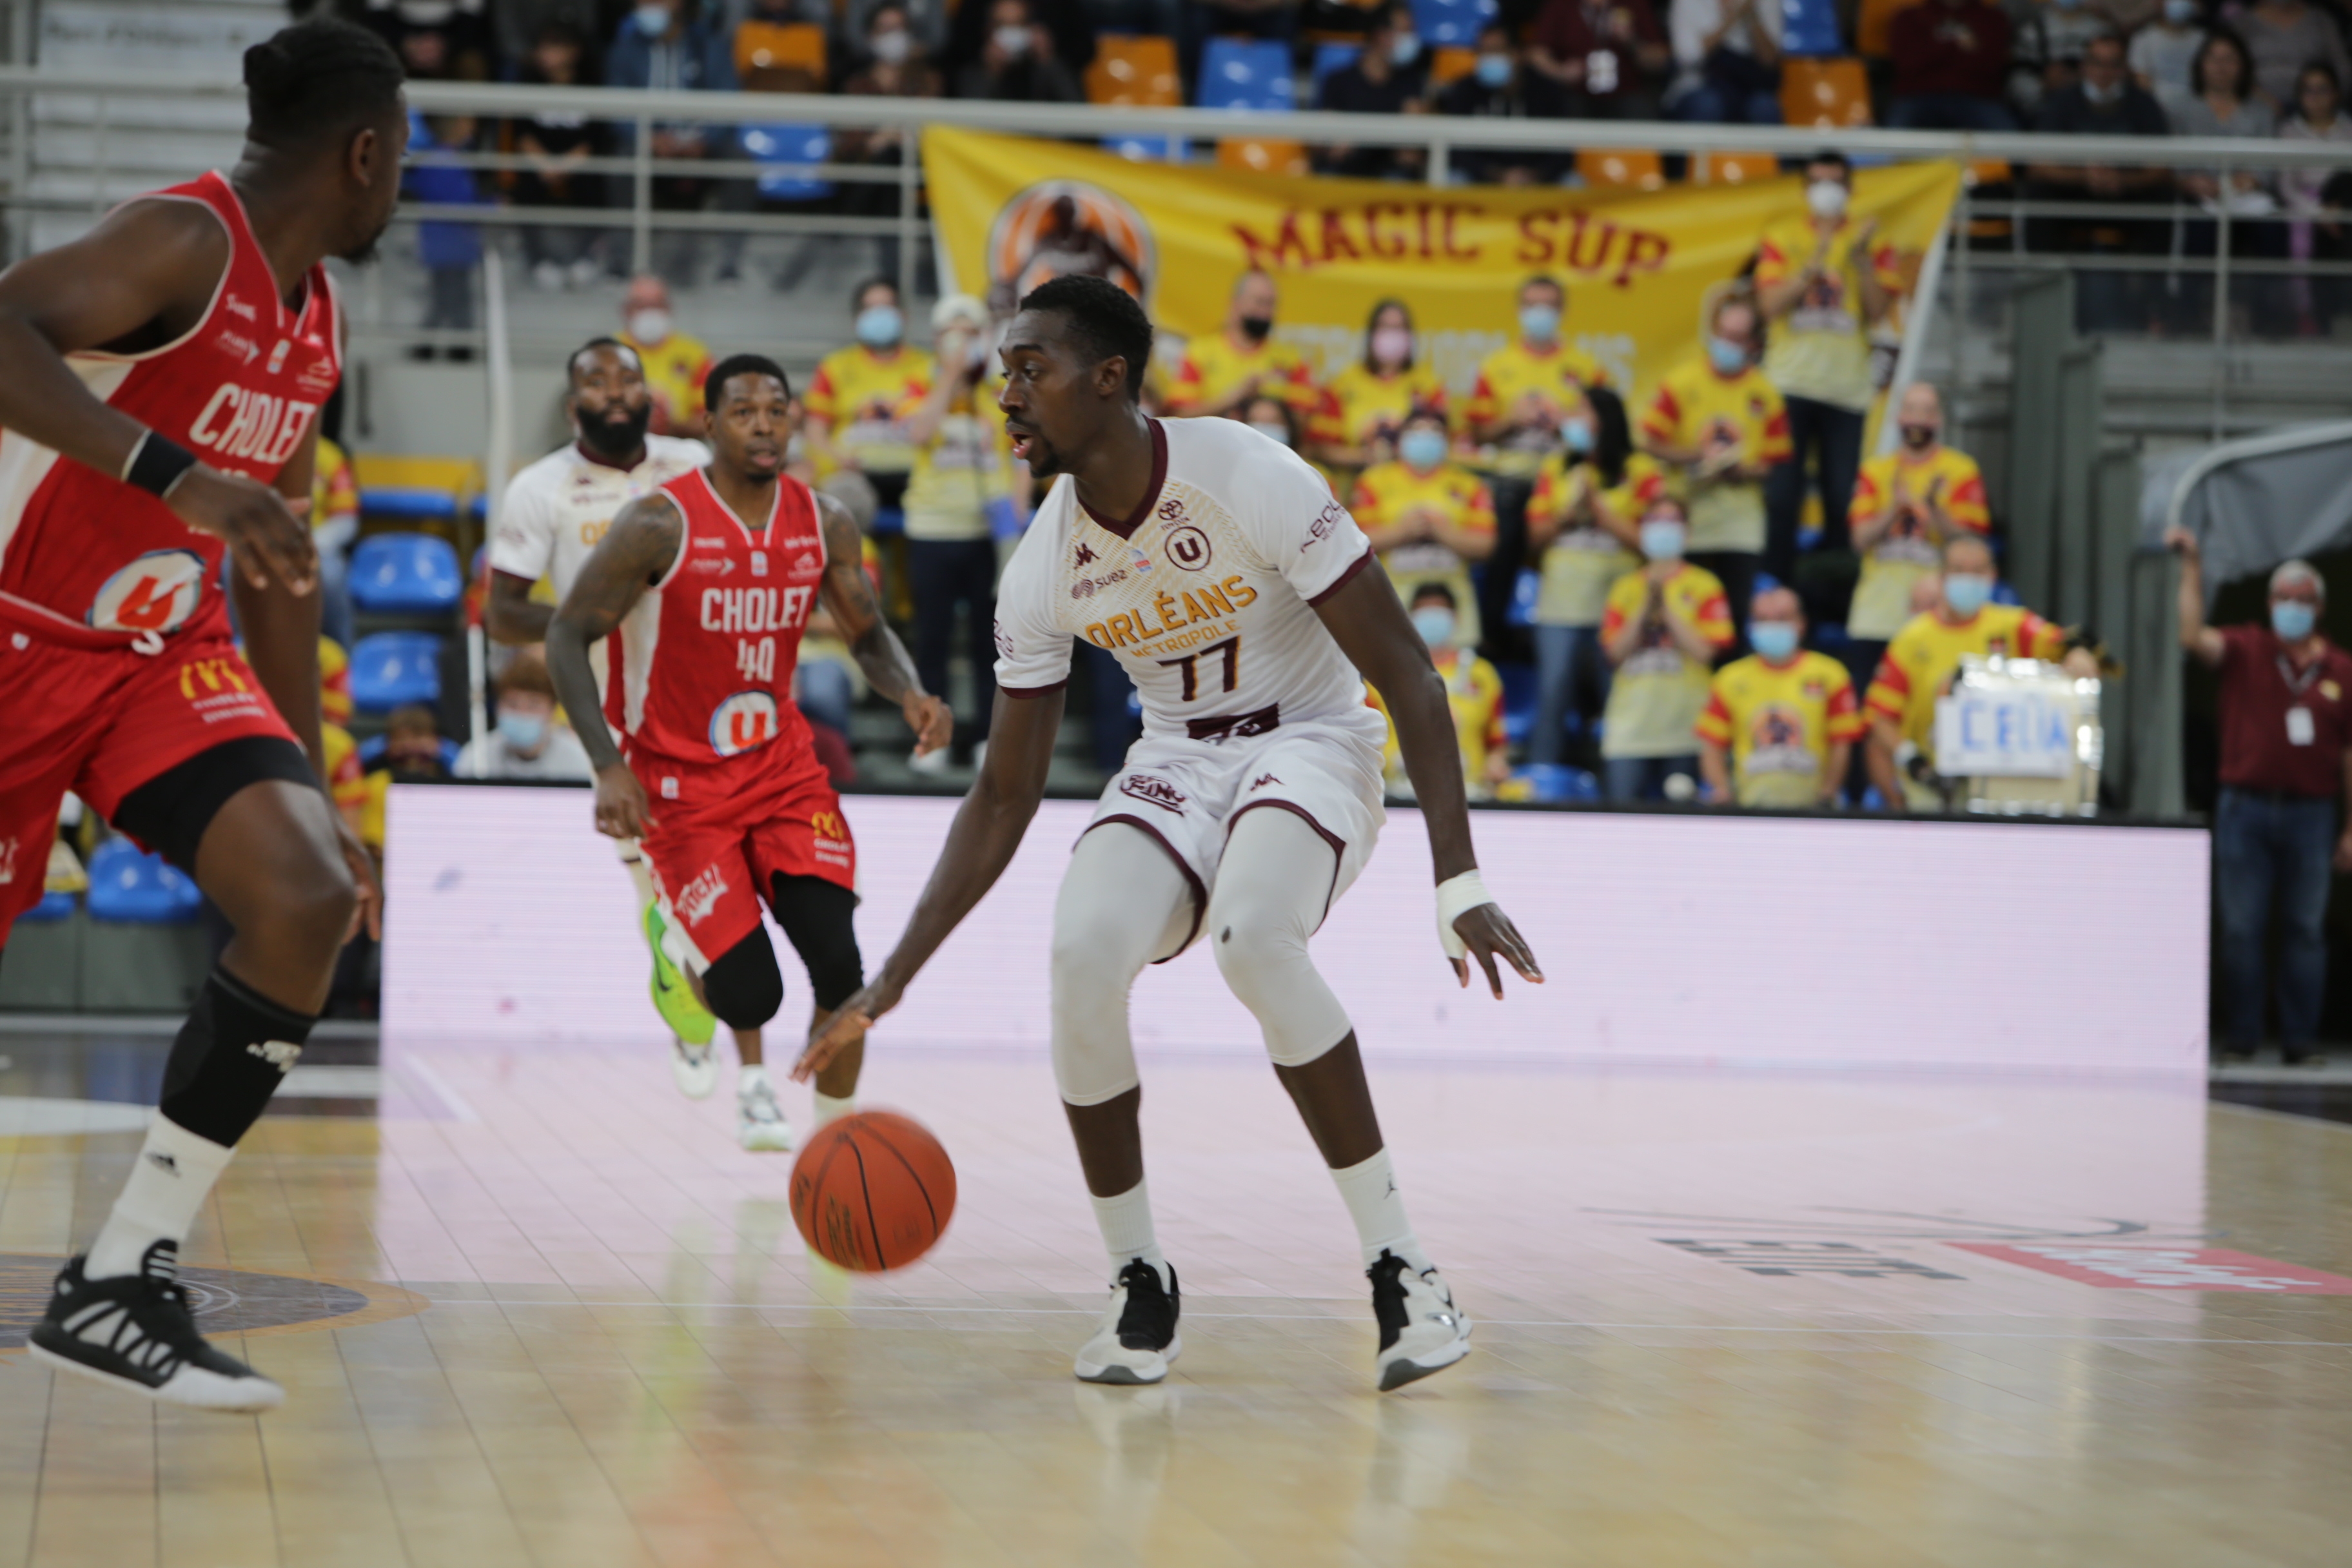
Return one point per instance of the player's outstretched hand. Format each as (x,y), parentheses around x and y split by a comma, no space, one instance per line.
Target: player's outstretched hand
(931,720)
(370,912)
(260,529)
(1487,931)
(849,1023)
(622,809)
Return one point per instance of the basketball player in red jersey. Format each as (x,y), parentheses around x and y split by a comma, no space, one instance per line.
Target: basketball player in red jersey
(159,406)
(702,589)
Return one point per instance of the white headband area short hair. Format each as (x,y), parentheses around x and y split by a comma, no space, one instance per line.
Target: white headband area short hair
(2291,572)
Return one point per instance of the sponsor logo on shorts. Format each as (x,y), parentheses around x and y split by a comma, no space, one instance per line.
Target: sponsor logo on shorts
(698,897)
(1326,522)
(217,688)
(156,592)
(829,834)
(1153,790)
(1188,547)
(669,789)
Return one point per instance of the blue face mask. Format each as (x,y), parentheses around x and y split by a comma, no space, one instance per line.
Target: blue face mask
(1662,537)
(1422,448)
(523,731)
(1776,640)
(1540,323)
(1578,437)
(1728,357)
(1436,625)
(653,21)
(1404,48)
(1493,70)
(2292,620)
(1965,592)
(879,326)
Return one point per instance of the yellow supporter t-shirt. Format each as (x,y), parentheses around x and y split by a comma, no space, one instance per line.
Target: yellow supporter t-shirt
(1386,493)
(1820,349)
(1926,654)
(1359,406)
(1212,369)
(1696,407)
(335,488)
(859,393)
(1658,693)
(1509,374)
(1779,722)
(346,783)
(1474,690)
(1582,561)
(1912,547)
(674,369)
(965,466)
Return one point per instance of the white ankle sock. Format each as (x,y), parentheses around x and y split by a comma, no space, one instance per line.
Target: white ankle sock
(1369,1190)
(831,1110)
(1126,1224)
(641,876)
(172,1176)
(751,1077)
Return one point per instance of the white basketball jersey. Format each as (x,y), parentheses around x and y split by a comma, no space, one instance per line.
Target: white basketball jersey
(1205,595)
(556,509)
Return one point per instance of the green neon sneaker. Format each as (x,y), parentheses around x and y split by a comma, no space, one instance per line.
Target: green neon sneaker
(674,996)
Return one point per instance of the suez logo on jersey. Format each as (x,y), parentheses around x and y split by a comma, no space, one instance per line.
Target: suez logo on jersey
(241,422)
(1172,612)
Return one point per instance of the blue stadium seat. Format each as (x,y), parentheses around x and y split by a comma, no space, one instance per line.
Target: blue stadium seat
(1148,149)
(1810,27)
(128,885)
(371,751)
(1830,638)
(1247,73)
(1330,56)
(1553,782)
(52,907)
(1524,590)
(1451,23)
(393,668)
(790,145)
(1518,701)
(405,575)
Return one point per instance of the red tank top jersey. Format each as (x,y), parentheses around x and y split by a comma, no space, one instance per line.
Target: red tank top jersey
(702,666)
(85,558)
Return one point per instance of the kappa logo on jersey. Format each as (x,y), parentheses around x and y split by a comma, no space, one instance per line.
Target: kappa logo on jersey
(156,592)
(1188,547)
(1260,781)
(1153,790)
(698,897)
(745,721)
(1084,557)
(241,423)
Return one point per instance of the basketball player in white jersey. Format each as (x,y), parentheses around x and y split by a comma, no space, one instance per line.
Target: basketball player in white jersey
(554,513)
(1244,601)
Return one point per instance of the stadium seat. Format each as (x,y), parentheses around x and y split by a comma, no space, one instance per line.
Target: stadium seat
(790,145)
(1148,149)
(1454,24)
(1134,72)
(1874,29)
(405,574)
(1621,169)
(129,885)
(1329,57)
(1808,29)
(1733,168)
(390,669)
(1553,782)
(52,907)
(1262,155)
(416,489)
(1524,590)
(772,46)
(1830,94)
(369,751)
(1246,73)
(1450,64)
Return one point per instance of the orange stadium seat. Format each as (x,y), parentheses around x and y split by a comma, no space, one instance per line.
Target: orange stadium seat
(1450,64)
(1874,27)
(1262,155)
(1134,72)
(1826,93)
(1621,170)
(769,46)
(1733,168)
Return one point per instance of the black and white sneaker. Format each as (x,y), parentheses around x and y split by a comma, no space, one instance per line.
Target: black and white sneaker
(1421,1331)
(136,1332)
(1137,1339)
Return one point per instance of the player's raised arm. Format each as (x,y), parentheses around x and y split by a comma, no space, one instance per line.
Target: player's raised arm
(1368,621)
(987,829)
(849,598)
(639,549)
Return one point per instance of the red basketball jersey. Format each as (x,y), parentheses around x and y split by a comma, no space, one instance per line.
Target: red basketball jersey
(701,668)
(88,559)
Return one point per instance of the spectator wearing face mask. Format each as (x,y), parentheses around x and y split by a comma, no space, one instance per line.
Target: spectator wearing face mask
(1599,59)
(1728,61)
(666,47)
(1497,89)
(2104,102)
(1584,524)
(675,363)
(2285,707)
(1474,690)
(438,41)
(2160,53)
(1780,725)
(2046,53)
(1017,63)
(1221,371)
(1922,658)
(1823,281)
(1363,409)
(853,399)
(527,743)
(1390,75)
(411,754)
(1662,631)
(1908,504)
(2281,36)
(1720,421)
(1430,518)
(1275,420)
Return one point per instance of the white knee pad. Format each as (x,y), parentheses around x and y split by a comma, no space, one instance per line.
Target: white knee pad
(1123,903)
(1273,885)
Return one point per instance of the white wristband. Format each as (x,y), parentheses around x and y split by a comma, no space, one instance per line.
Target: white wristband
(1455,897)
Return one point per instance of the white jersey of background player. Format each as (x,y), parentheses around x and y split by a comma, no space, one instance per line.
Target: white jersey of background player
(553,513)
(1242,601)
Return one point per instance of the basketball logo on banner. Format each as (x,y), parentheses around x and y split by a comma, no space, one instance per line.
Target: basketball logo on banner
(1060,228)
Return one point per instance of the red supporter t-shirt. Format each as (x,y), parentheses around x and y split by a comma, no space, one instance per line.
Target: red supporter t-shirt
(2262,746)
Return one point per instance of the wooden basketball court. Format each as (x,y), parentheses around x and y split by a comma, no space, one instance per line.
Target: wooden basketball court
(533,1308)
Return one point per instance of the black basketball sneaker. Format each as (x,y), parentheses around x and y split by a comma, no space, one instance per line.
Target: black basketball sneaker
(1137,1338)
(136,1332)
(1421,1331)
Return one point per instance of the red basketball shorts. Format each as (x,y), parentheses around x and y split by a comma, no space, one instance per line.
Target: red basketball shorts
(100,722)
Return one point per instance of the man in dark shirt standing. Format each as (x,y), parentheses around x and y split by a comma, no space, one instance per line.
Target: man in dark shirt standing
(1951,64)
(1495,88)
(1389,76)
(2104,102)
(1597,60)
(2287,754)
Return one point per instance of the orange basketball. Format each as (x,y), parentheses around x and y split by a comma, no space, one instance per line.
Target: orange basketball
(872,1191)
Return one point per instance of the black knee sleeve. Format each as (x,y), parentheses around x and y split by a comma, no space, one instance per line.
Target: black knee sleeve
(744,987)
(819,920)
(232,1054)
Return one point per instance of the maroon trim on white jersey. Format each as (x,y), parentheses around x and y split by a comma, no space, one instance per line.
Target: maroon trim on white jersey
(1125,527)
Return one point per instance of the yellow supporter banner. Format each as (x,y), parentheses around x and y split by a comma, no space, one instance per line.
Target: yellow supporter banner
(1011,211)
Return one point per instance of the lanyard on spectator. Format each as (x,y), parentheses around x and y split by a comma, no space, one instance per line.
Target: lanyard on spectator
(2295,686)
